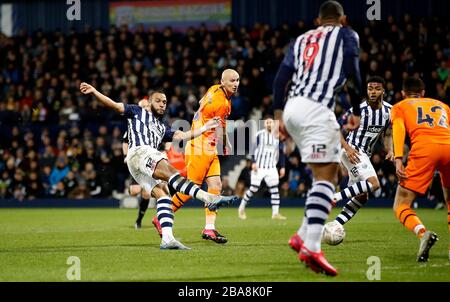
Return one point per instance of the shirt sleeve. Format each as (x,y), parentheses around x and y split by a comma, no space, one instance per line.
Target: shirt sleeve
(131,110)
(351,68)
(398,130)
(284,74)
(343,119)
(168,134)
(125,137)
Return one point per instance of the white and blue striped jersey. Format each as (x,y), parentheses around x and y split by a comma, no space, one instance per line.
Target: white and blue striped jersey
(374,122)
(319,63)
(318,59)
(268,150)
(144,129)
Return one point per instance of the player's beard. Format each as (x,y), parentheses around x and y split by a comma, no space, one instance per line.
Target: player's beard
(156,114)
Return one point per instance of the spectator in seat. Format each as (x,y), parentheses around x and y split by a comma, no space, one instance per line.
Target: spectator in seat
(59,171)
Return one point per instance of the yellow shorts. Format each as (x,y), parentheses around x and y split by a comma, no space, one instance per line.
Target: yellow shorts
(200,167)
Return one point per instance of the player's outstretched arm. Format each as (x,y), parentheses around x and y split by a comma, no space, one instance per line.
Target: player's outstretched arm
(86,88)
(191,134)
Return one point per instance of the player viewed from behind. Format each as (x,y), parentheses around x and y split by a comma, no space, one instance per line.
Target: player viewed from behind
(358,147)
(318,64)
(135,189)
(201,154)
(426,122)
(149,167)
(268,151)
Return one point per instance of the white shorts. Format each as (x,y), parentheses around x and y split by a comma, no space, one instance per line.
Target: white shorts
(314,129)
(270,176)
(359,172)
(141,162)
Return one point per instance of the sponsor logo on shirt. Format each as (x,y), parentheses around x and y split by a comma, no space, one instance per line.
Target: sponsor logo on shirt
(375,129)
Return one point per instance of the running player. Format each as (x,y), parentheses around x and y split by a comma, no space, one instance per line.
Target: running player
(426,122)
(358,147)
(149,167)
(318,64)
(268,151)
(201,154)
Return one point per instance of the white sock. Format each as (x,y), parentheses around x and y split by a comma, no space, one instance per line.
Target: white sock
(165,217)
(187,187)
(275,209)
(418,228)
(167,234)
(210,226)
(275,199)
(354,190)
(303,228)
(243,204)
(249,193)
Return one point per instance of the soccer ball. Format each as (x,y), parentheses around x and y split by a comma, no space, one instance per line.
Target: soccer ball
(333,233)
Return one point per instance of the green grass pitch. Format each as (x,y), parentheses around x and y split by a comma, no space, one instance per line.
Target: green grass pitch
(35,245)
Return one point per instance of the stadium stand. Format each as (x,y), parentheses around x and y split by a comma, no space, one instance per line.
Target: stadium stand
(55,143)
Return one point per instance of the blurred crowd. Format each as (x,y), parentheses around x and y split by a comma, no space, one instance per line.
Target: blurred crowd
(56,142)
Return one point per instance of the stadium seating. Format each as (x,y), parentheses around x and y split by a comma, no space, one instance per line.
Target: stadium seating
(57,143)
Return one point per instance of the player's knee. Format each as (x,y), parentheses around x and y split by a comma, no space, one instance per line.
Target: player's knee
(375,183)
(165,172)
(145,194)
(168,169)
(375,186)
(135,190)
